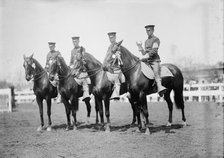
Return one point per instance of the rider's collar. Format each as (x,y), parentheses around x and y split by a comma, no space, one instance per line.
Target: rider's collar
(150,36)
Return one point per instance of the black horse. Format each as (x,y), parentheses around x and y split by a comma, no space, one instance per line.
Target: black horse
(102,87)
(69,89)
(42,87)
(140,86)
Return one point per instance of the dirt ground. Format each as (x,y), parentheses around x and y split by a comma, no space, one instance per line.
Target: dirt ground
(202,137)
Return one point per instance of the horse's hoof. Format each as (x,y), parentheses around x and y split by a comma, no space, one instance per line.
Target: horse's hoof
(147,131)
(169,124)
(184,123)
(138,130)
(107,129)
(40,128)
(67,128)
(49,128)
(74,128)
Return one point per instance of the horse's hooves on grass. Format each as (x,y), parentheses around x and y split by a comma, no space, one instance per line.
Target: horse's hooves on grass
(147,131)
(40,128)
(74,128)
(49,128)
(169,124)
(184,123)
(138,130)
(67,128)
(107,130)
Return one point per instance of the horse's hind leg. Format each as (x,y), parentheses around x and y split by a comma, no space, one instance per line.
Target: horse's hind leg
(107,113)
(170,107)
(40,105)
(49,113)
(88,107)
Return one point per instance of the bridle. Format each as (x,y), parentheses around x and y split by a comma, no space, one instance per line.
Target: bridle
(116,56)
(58,68)
(82,67)
(34,76)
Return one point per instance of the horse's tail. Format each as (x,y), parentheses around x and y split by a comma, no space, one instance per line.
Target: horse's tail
(178,97)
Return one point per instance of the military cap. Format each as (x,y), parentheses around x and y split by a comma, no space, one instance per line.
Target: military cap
(51,43)
(111,34)
(75,38)
(149,26)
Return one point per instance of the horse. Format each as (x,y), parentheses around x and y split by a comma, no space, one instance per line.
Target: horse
(102,87)
(69,89)
(42,88)
(140,86)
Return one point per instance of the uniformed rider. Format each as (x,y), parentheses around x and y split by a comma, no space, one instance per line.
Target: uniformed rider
(152,57)
(83,76)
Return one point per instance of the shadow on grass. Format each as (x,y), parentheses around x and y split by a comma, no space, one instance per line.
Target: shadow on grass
(122,128)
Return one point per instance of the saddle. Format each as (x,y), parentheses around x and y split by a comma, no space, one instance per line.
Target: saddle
(148,72)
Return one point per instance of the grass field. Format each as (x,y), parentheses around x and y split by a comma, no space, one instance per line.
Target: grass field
(202,137)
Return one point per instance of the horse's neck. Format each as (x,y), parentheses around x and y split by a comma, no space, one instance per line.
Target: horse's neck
(93,69)
(63,69)
(38,67)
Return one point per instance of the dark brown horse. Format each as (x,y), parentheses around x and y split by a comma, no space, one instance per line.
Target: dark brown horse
(69,89)
(102,87)
(42,87)
(140,86)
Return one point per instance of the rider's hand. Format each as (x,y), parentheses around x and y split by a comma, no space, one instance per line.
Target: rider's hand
(139,44)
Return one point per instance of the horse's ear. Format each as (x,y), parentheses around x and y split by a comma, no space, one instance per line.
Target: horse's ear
(31,56)
(119,43)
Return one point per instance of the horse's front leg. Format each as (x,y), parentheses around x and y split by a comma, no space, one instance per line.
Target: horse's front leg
(143,102)
(99,105)
(134,110)
(49,113)
(40,105)
(67,110)
(107,113)
(75,107)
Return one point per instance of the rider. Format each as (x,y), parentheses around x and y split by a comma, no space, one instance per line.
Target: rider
(75,55)
(51,55)
(117,76)
(151,51)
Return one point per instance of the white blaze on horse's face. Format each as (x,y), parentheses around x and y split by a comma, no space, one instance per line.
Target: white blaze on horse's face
(33,66)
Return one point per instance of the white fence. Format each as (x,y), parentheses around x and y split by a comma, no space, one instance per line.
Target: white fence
(194,92)
(5,100)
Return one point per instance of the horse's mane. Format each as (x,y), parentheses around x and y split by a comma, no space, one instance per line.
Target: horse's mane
(37,64)
(92,58)
(62,61)
(126,50)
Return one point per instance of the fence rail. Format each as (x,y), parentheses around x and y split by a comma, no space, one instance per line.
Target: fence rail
(192,92)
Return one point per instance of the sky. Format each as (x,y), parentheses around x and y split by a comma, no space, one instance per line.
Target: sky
(188,30)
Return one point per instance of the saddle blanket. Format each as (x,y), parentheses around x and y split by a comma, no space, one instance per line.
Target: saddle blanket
(148,72)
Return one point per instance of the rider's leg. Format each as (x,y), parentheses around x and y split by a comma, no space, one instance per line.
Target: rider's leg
(156,70)
(85,87)
(116,91)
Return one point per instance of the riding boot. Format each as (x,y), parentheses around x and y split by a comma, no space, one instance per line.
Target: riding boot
(86,95)
(156,69)
(116,92)
(161,89)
